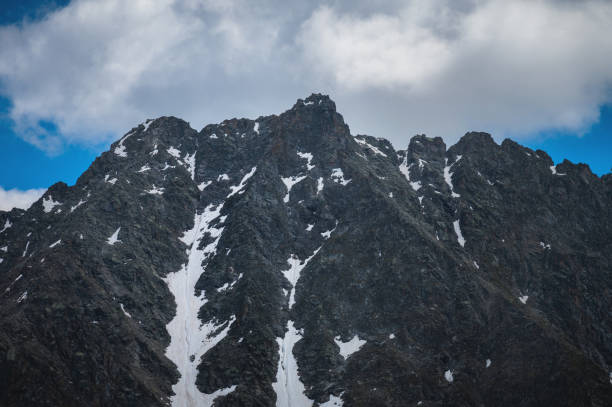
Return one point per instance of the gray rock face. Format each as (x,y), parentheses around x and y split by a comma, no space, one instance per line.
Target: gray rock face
(326,269)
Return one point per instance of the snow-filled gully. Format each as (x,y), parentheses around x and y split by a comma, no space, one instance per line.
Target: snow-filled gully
(189,338)
(288,386)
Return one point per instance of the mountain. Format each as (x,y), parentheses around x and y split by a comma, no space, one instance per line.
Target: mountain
(285,262)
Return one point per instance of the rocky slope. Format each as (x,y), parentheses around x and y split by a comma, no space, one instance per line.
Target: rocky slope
(284,262)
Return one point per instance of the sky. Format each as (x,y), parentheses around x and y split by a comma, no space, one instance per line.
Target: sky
(76,75)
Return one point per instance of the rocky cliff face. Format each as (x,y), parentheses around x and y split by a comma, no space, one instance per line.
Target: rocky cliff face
(284,262)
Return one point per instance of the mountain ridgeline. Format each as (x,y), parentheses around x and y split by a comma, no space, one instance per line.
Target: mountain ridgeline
(284,262)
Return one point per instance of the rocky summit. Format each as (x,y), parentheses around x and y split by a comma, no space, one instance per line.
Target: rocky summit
(284,262)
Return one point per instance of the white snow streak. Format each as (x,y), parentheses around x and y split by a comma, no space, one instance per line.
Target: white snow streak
(127,314)
(334,401)
(55,244)
(448,176)
(289,183)
(553,169)
(144,168)
(114,238)
(256,127)
(320,185)
(22,297)
(73,208)
(460,238)
(370,146)
(147,124)
(488,363)
(405,169)
(239,188)
(25,251)
(350,347)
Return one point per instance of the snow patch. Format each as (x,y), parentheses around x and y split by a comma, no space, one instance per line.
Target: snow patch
(55,244)
(144,168)
(256,127)
(545,245)
(338,176)
(334,401)
(448,375)
(174,152)
(48,204)
(114,238)
(190,164)
(4,249)
(405,169)
(289,183)
(476,265)
(350,347)
(147,124)
(223,177)
(239,188)
(308,228)
(460,238)
(308,157)
(391,336)
(204,185)
(7,225)
(523,298)
(155,190)
(553,169)
(488,363)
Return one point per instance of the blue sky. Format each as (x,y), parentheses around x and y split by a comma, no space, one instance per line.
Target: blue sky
(75,76)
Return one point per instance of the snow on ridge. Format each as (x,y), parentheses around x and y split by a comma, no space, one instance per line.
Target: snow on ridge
(148,123)
(114,238)
(190,339)
(55,244)
(120,149)
(370,146)
(337,176)
(457,228)
(239,188)
(289,183)
(48,204)
(308,157)
(553,169)
(350,347)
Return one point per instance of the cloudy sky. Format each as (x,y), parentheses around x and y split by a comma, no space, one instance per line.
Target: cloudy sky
(75,76)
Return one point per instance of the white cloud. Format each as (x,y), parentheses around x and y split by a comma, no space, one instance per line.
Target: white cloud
(512,67)
(16,198)
(97,68)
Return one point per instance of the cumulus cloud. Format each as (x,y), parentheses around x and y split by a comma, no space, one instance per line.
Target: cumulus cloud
(395,68)
(16,198)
